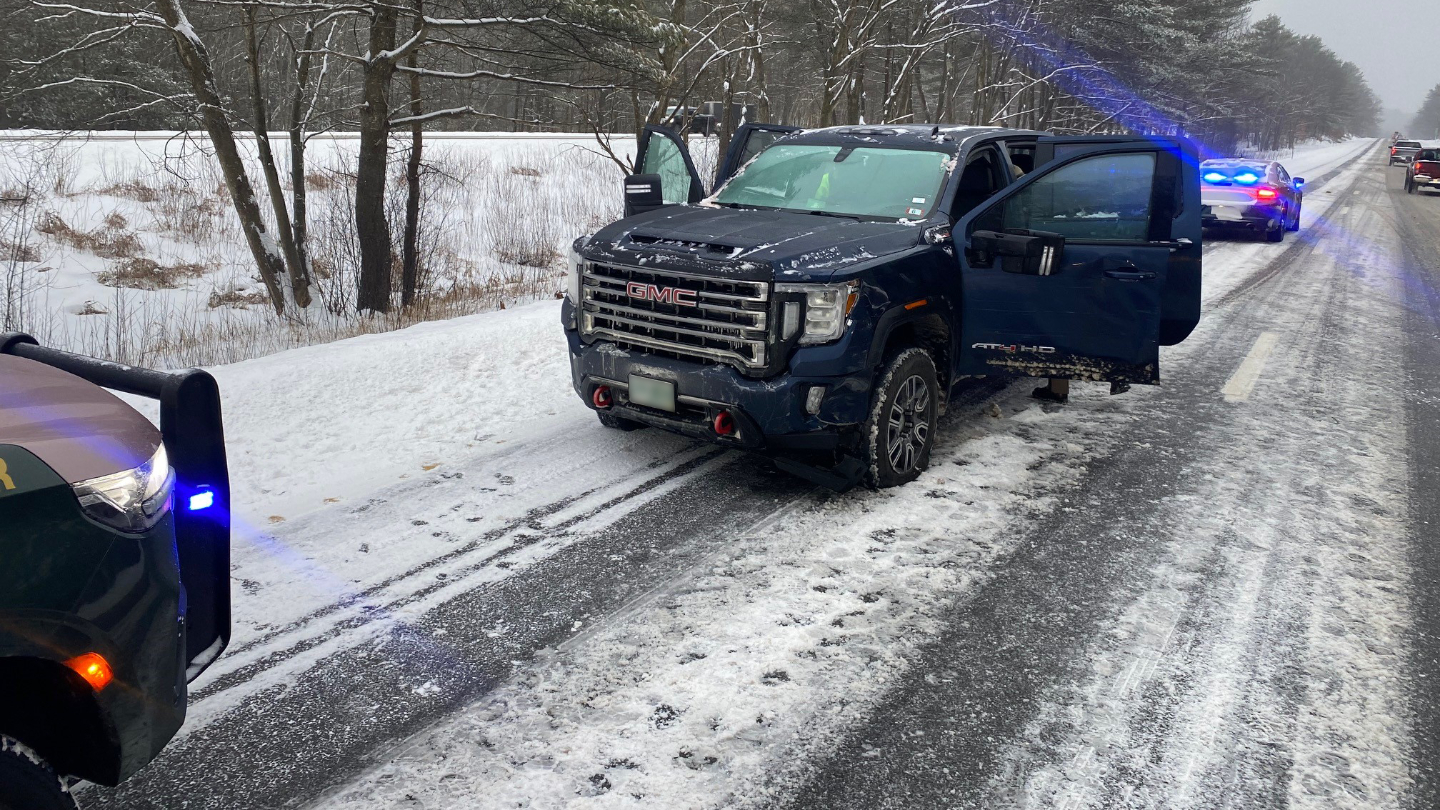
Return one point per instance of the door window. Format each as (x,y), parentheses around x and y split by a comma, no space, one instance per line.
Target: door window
(663,157)
(1022,157)
(1103,198)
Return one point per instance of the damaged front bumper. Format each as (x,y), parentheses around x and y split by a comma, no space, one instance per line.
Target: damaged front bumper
(784,413)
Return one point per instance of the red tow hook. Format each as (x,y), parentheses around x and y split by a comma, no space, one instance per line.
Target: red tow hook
(724,424)
(601,397)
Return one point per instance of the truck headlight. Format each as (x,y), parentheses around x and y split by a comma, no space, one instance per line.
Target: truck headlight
(574,274)
(133,500)
(822,316)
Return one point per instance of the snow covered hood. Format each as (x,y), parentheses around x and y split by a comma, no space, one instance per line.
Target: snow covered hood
(750,244)
(80,430)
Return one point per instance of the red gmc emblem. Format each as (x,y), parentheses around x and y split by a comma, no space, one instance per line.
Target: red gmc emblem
(665,295)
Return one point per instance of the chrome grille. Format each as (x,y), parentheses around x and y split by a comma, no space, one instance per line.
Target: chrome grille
(727,321)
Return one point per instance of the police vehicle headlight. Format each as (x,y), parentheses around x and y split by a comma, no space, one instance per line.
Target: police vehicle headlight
(822,314)
(133,500)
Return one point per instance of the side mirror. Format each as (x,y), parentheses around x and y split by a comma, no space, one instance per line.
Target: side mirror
(643,193)
(1030,253)
(1298,182)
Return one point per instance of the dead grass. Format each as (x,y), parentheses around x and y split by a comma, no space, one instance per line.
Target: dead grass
(139,273)
(15,253)
(111,241)
(320,181)
(184,214)
(238,298)
(132,190)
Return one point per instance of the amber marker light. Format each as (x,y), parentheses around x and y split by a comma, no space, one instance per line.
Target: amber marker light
(93,668)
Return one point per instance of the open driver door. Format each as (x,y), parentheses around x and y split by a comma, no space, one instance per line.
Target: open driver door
(1085,267)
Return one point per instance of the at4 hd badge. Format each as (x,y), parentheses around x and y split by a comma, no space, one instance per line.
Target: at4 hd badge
(1014,348)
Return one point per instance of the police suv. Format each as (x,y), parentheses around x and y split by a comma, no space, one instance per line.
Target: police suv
(821,303)
(114,566)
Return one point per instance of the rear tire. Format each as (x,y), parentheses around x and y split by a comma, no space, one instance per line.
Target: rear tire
(27,783)
(900,431)
(1276,233)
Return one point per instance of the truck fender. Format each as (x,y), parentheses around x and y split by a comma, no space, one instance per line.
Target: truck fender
(928,318)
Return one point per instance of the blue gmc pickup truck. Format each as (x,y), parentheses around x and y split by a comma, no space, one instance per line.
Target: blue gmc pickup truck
(820,302)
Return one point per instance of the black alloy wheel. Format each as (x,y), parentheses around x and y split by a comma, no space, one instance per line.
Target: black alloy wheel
(900,432)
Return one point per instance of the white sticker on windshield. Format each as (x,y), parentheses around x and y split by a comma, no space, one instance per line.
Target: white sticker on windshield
(918,200)
(915,212)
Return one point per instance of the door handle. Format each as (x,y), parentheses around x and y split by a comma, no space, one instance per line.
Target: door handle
(1129,273)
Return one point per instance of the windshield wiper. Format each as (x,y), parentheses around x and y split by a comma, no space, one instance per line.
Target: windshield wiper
(833,214)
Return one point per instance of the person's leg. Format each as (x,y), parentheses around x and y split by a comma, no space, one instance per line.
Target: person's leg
(1056,391)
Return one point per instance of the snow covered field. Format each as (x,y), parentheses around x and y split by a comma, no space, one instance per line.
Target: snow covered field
(126,246)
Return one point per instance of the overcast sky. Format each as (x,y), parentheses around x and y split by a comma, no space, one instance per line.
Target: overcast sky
(1396,42)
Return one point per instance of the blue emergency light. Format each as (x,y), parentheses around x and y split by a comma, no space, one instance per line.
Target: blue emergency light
(202,500)
(1215,177)
(1247,179)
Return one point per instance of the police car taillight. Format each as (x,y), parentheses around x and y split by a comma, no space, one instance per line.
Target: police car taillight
(1266,194)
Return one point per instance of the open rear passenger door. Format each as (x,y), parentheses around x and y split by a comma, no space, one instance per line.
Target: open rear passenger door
(1086,266)
(748,141)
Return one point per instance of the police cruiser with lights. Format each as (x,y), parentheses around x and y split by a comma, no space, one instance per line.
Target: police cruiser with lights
(823,300)
(1255,195)
(114,566)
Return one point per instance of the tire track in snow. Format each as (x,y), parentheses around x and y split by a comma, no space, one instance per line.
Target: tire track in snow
(491,556)
(293,737)
(298,644)
(1418,222)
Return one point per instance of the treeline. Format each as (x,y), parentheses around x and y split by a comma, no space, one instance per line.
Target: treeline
(1427,122)
(392,68)
(1182,66)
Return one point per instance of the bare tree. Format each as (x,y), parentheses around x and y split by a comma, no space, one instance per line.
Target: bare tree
(196,61)
(299,277)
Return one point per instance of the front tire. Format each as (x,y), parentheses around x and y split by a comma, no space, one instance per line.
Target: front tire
(900,432)
(27,783)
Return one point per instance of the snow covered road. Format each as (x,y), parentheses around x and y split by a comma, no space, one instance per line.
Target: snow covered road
(1173,598)
(1218,616)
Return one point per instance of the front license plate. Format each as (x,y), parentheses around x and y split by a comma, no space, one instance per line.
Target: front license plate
(652,393)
